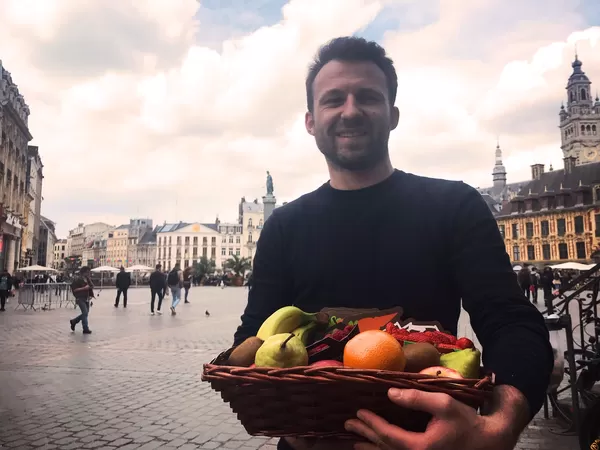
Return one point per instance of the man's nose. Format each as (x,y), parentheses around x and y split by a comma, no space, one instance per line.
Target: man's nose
(351,108)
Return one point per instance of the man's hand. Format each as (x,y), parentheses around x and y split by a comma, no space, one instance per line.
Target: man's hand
(454,426)
(320,444)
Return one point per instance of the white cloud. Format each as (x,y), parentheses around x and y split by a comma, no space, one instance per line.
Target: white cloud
(132,117)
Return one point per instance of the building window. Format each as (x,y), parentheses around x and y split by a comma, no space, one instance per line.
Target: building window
(231,239)
(515,230)
(546,251)
(195,252)
(580,248)
(502,231)
(531,253)
(238,239)
(223,251)
(186,264)
(213,252)
(237,252)
(545,228)
(249,238)
(204,240)
(563,251)
(204,251)
(195,240)
(230,252)
(529,229)
(213,241)
(516,253)
(579,225)
(224,240)
(561,227)
(187,240)
(178,240)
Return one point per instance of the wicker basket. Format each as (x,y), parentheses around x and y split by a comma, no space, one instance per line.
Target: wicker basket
(316,401)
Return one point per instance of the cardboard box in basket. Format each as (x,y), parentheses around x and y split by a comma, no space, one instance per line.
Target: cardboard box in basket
(315,402)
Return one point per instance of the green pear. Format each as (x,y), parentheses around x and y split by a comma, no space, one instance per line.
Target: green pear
(466,362)
(282,350)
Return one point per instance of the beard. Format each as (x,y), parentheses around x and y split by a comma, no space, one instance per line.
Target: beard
(364,154)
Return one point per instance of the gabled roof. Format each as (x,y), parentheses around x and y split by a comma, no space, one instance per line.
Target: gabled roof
(123,227)
(149,237)
(167,227)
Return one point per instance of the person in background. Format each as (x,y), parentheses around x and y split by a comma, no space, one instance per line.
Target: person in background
(122,283)
(82,287)
(6,283)
(158,286)
(546,280)
(175,282)
(535,284)
(187,282)
(524,278)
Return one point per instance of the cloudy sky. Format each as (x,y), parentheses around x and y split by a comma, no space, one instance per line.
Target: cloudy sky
(174,109)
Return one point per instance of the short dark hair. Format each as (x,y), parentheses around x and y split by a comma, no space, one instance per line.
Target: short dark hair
(84,270)
(351,48)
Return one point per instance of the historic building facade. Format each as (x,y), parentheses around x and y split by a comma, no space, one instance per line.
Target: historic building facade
(185,243)
(14,139)
(555,216)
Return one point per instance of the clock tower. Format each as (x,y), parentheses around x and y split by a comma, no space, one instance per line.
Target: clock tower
(580,120)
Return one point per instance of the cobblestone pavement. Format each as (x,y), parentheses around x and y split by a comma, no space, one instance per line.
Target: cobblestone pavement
(135,382)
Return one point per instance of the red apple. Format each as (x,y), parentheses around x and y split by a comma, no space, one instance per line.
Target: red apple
(465,343)
(442,372)
(327,363)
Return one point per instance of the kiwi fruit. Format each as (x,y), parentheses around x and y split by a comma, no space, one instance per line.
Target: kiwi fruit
(419,356)
(243,355)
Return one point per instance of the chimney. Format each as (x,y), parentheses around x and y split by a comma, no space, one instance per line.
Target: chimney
(569,162)
(536,171)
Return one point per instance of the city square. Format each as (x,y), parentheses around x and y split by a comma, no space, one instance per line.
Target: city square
(135,382)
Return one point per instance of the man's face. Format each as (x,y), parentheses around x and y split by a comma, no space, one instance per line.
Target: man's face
(352,116)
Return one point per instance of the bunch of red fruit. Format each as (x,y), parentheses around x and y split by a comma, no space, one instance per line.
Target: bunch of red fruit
(442,341)
(338,334)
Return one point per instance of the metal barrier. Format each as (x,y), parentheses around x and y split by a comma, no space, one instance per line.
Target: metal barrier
(44,296)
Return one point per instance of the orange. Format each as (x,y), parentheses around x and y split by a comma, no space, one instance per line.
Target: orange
(374,349)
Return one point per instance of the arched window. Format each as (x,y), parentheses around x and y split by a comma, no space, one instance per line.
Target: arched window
(594,130)
(572,96)
(582,129)
(588,129)
(583,94)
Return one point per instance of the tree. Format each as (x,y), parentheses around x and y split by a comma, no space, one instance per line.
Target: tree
(204,267)
(238,265)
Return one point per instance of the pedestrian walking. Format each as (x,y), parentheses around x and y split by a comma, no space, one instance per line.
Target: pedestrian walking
(158,285)
(535,284)
(175,282)
(546,280)
(123,282)
(187,282)
(6,283)
(82,289)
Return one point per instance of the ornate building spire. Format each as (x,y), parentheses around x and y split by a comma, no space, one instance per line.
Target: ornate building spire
(499,171)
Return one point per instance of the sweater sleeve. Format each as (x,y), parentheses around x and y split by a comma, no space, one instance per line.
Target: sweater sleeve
(512,332)
(271,286)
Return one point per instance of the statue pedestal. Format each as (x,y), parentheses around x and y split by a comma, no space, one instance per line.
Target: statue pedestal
(269,201)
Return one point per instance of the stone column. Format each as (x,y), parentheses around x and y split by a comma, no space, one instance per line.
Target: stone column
(269,201)
(9,262)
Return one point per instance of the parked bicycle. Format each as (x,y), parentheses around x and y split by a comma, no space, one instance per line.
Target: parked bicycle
(580,414)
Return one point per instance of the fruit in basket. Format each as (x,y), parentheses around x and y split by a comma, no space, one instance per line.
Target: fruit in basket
(282,350)
(306,332)
(327,363)
(467,362)
(286,320)
(420,356)
(442,372)
(243,355)
(374,349)
(464,343)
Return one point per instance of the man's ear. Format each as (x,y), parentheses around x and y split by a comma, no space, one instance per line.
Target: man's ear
(395,118)
(309,122)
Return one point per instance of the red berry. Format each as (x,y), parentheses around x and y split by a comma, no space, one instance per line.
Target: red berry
(465,343)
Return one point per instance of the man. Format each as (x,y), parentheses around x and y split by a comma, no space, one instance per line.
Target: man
(158,285)
(395,223)
(122,283)
(535,284)
(175,282)
(6,283)
(81,288)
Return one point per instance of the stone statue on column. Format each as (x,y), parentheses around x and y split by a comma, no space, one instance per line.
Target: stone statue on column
(269,184)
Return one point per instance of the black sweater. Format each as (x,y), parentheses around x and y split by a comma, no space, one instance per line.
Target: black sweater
(416,242)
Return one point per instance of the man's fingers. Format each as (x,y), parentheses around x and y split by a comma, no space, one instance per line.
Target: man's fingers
(436,404)
(382,433)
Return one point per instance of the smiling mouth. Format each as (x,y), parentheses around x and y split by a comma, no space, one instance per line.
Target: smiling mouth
(351,134)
